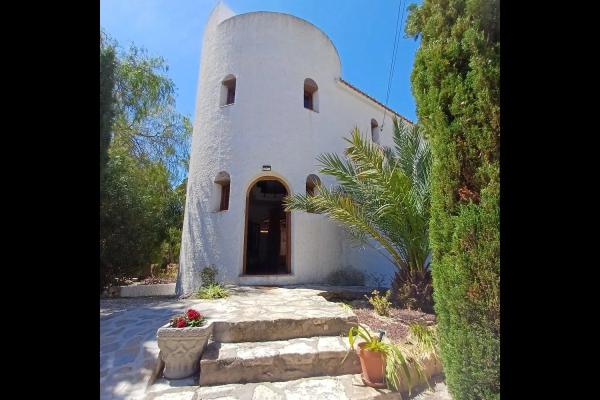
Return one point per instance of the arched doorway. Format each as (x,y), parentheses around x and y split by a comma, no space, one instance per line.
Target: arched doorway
(267,246)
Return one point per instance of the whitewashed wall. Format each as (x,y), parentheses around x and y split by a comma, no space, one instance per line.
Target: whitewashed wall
(270,55)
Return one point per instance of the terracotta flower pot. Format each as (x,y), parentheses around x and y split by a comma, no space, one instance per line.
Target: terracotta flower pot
(373,366)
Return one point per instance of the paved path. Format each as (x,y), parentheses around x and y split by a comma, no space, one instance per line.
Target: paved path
(128,347)
(343,387)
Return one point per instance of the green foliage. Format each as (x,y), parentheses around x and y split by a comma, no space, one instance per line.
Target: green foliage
(146,118)
(400,359)
(372,343)
(212,291)
(208,276)
(107,100)
(455,81)
(144,147)
(210,288)
(132,220)
(383,194)
(425,338)
(381,304)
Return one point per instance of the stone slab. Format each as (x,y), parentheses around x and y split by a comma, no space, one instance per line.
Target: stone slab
(272,361)
(162,289)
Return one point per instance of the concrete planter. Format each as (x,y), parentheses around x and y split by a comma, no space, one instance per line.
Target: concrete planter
(181,349)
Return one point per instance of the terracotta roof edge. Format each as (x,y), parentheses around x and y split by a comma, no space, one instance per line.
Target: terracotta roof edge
(374,100)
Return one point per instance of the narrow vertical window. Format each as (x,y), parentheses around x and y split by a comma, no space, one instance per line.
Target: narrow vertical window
(224,197)
(311,99)
(308,103)
(223,180)
(374,131)
(311,184)
(228,90)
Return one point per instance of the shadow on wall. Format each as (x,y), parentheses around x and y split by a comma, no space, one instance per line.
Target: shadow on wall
(195,254)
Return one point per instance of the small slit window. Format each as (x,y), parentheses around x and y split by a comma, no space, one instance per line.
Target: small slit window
(311,99)
(312,181)
(228,90)
(374,131)
(223,180)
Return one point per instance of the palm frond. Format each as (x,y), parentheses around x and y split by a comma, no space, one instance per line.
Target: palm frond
(383,193)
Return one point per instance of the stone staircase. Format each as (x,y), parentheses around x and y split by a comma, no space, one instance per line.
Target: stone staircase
(276,360)
(281,344)
(291,337)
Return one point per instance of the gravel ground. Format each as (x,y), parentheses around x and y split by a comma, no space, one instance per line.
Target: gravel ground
(396,325)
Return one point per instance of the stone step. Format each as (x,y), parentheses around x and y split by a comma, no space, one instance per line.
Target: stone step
(274,361)
(300,326)
(340,387)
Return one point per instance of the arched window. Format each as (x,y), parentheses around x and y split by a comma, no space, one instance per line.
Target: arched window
(312,181)
(374,131)
(223,180)
(311,99)
(311,184)
(228,90)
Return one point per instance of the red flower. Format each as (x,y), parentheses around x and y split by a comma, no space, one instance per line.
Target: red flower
(193,314)
(180,322)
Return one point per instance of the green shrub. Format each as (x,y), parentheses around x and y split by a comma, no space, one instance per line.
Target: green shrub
(208,276)
(212,291)
(381,304)
(455,81)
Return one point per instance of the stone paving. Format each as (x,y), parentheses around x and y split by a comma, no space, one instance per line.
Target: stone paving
(128,346)
(343,387)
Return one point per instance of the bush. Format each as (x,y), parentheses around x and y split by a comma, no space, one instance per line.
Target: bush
(347,276)
(208,276)
(455,81)
(413,293)
(212,291)
(381,304)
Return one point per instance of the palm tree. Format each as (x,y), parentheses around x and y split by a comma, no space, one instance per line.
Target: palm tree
(383,194)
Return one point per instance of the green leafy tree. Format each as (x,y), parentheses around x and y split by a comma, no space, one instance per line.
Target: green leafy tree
(145,145)
(132,214)
(107,100)
(146,119)
(455,81)
(383,194)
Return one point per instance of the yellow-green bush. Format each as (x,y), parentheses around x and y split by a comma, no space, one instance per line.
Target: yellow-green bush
(381,304)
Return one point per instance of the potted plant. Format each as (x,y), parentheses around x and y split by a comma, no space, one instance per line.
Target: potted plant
(372,355)
(383,364)
(181,343)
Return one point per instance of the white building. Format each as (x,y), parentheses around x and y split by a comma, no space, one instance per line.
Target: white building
(270,100)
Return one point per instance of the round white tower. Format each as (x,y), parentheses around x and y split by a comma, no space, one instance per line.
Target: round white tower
(265,105)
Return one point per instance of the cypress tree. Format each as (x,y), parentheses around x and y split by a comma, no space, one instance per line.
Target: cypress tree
(455,82)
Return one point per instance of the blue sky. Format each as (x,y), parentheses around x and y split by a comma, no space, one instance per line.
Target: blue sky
(362,31)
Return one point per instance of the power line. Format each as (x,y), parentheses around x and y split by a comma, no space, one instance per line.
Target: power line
(393,61)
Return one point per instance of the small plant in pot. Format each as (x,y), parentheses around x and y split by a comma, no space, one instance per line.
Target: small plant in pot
(384,364)
(372,354)
(182,342)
